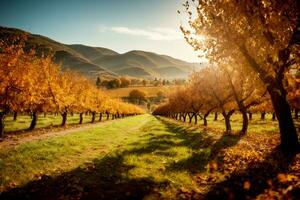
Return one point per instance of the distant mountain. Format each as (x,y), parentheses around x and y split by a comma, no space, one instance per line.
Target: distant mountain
(95,61)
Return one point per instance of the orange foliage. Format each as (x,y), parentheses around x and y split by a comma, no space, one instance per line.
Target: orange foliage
(32,83)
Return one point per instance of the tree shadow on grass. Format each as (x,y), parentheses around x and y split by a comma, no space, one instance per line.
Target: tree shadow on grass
(105,178)
(189,136)
(176,136)
(205,148)
(151,146)
(261,176)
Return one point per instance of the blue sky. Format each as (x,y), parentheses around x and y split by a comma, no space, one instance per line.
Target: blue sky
(121,25)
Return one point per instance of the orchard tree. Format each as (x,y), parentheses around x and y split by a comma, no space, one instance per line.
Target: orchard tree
(246,90)
(36,97)
(262,35)
(125,82)
(63,91)
(203,102)
(137,96)
(179,103)
(217,88)
(13,68)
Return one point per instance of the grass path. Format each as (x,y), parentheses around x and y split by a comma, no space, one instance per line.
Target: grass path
(140,157)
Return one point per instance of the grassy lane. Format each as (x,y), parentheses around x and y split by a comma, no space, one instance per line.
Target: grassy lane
(142,156)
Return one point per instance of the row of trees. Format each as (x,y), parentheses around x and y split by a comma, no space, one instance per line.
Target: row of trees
(122,82)
(261,36)
(224,90)
(113,83)
(32,83)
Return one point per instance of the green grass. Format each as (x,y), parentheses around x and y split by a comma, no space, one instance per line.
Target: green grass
(133,156)
(28,160)
(23,121)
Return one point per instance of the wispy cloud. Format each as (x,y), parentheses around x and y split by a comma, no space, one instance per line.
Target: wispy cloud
(148,33)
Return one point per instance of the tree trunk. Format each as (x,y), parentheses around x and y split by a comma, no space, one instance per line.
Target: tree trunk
(15,116)
(45,114)
(206,115)
(288,133)
(184,117)
(273,116)
(250,116)
(245,122)
(227,120)
(190,117)
(227,124)
(64,118)
(80,118)
(204,121)
(216,116)
(107,116)
(93,117)
(296,113)
(263,115)
(2,116)
(33,121)
(196,118)
(100,117)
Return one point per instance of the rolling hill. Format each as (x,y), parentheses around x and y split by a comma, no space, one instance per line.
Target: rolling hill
(97,61)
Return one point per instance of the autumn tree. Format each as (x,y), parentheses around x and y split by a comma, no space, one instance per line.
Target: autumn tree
(12,74)
(217,88)
(137,96)
(262,35)
(179,103)
(200,101)
(246,90)
(114,83)
(125,82)
(37,95)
